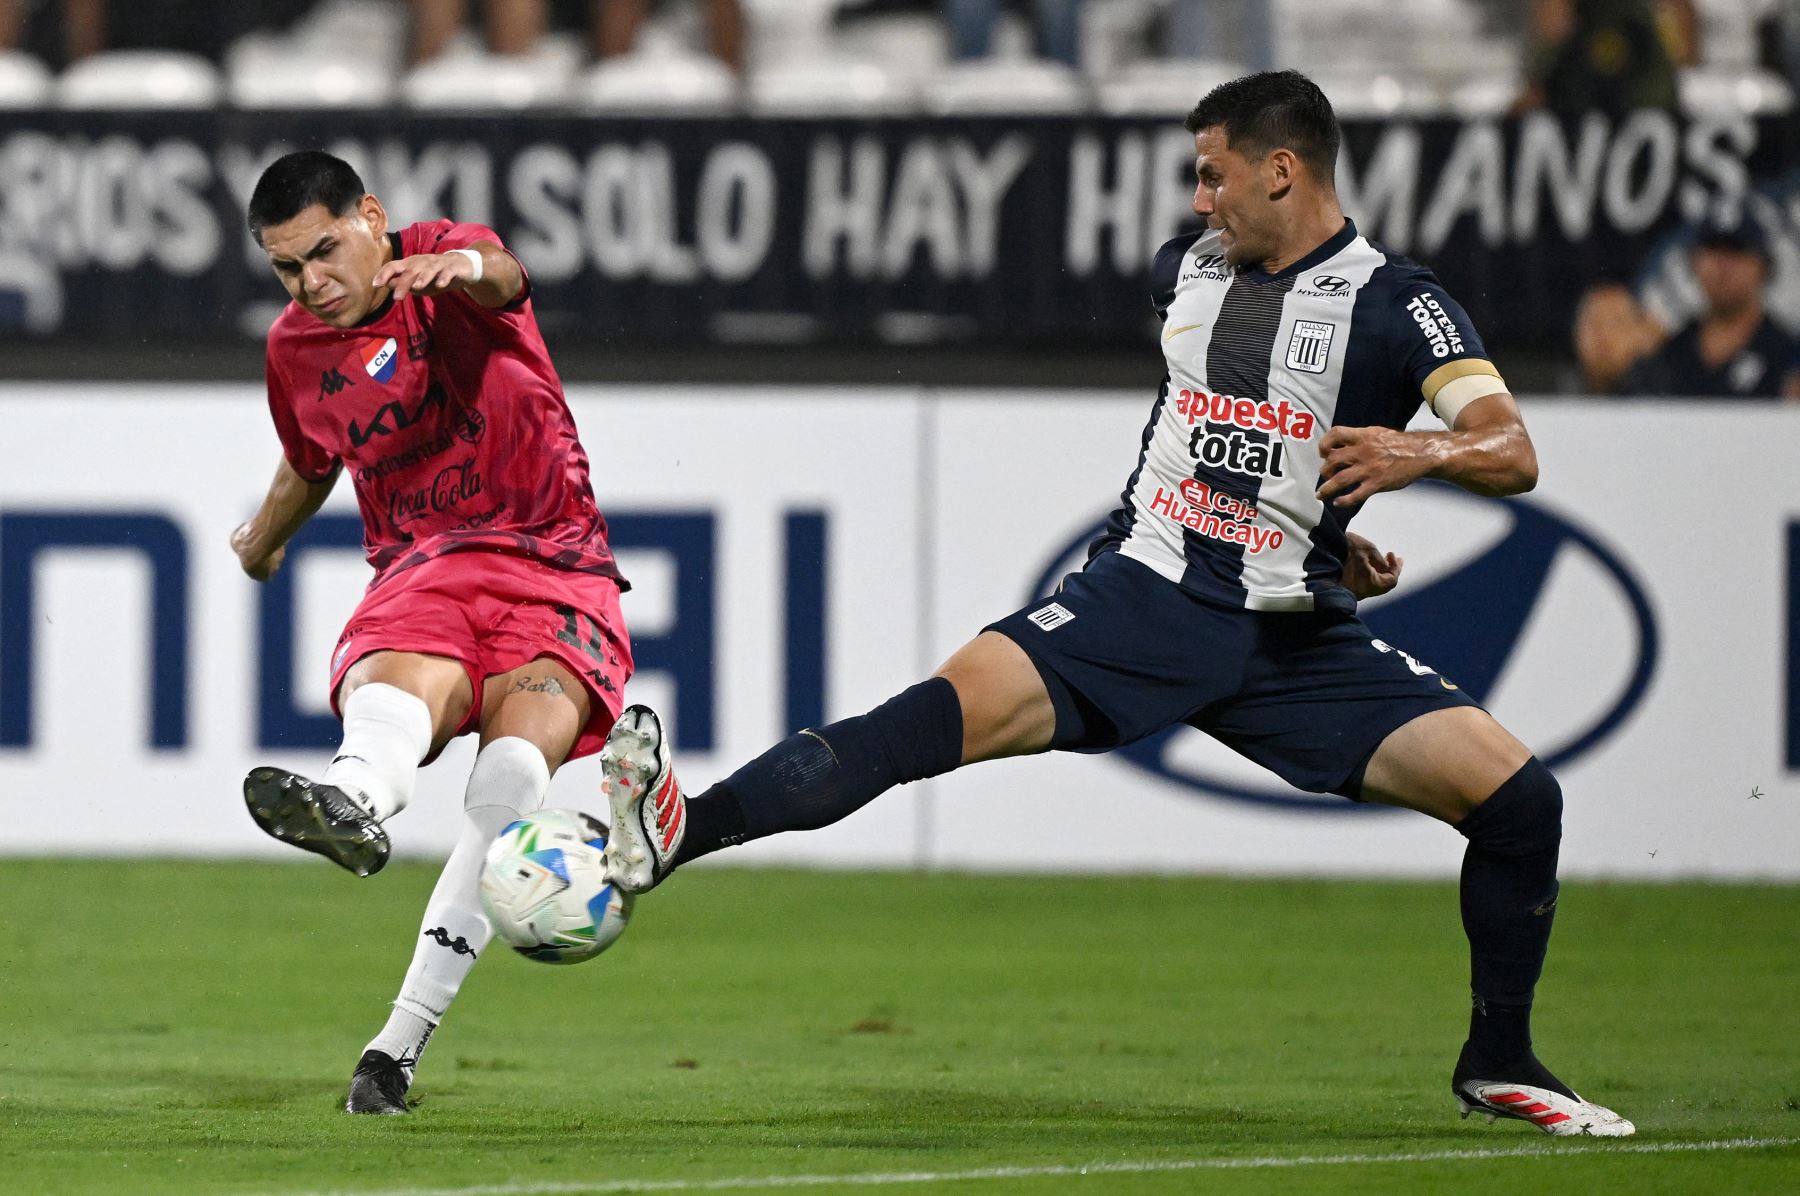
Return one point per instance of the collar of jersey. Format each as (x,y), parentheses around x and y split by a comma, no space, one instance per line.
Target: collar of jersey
(387,304)
(1325,252)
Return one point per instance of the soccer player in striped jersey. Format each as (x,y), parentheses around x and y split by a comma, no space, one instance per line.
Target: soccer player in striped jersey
(1223,592)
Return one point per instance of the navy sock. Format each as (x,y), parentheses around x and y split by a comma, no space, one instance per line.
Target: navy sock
(813,778)
(1508,907)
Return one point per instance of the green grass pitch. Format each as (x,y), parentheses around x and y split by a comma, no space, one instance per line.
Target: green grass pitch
(189,1028)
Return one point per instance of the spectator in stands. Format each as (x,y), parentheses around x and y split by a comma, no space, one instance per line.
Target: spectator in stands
(1057,24)
(1611,56)
(1241,31)
(1613,333)
(616,25)
(65,31)
(516,26)
(509,26)
(1732,349)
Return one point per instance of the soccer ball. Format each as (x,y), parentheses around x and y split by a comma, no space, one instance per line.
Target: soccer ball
(544,888)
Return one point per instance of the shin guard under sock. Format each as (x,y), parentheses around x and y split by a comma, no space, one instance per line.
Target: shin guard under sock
(1509,894)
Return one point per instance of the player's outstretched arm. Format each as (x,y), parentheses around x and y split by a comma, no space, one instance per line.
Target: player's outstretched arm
(1488,452)
(495,282)
(261,541)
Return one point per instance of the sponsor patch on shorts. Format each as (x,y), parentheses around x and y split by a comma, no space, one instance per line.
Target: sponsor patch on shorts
(1051,616)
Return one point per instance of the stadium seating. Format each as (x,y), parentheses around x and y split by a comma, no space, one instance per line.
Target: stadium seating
(24,82)
(855,57)
(134,79)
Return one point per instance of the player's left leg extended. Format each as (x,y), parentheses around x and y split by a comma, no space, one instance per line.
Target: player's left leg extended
(1459,765)
(531,717)
(988,701)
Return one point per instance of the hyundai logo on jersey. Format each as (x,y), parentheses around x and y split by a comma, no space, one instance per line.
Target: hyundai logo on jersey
(380,358)
(1470,625)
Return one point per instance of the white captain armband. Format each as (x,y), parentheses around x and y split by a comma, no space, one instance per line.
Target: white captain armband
(1452,387)
(474,256)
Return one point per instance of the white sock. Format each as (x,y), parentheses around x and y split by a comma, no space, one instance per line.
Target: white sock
(509,780)
(387,731)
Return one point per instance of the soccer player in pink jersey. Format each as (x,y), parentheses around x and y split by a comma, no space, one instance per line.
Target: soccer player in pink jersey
(411,360)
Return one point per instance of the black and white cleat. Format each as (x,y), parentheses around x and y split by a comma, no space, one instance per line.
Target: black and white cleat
(379,1086)
(316,817)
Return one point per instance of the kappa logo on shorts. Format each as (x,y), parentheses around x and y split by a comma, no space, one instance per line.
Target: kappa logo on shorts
(1049,618)
(1310,346)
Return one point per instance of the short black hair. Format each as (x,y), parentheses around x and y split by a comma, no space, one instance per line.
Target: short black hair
(1274,110)
(295,182)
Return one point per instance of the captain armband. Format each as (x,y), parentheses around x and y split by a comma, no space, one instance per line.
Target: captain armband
(1451,387)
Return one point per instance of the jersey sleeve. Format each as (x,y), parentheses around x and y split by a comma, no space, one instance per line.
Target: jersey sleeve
(309,458)
(1165,272)
(445,235)
(1432,337)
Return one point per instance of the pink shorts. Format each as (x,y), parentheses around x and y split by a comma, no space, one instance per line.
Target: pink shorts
(493,613)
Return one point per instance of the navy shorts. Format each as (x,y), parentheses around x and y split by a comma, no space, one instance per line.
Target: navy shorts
(1308,695)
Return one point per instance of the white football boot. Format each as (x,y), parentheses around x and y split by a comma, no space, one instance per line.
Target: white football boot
(649,814)
(1550,1111)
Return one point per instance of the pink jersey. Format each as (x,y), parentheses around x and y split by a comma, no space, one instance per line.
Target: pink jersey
(450,420)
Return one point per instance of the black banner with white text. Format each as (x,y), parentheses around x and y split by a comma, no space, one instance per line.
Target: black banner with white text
(1011,233)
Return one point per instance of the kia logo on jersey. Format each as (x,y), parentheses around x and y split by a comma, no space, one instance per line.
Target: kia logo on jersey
(1540,606)
(381,358)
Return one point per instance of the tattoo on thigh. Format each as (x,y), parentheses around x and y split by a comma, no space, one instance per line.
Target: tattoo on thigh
(546,685)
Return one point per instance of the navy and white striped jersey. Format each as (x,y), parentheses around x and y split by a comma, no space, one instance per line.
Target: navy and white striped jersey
(1260,366)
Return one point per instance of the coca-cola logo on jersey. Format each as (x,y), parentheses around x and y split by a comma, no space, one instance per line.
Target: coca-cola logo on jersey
(453,486)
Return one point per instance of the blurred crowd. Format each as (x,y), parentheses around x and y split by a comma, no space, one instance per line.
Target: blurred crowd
(1731,348)
(1376,58)
(1567,55)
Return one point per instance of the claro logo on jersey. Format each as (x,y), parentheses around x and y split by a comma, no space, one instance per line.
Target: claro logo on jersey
(1439,329)
(1485,619)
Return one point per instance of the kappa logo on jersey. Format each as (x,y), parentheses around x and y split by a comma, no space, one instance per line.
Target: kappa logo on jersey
(381,358)
(1439,329)
(1310,346)
(1283,417)
(330,382)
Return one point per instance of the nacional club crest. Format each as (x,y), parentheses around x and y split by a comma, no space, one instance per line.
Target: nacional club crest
(380,358)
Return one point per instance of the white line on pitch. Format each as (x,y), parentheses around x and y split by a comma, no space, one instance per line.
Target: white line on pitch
(1148,1167)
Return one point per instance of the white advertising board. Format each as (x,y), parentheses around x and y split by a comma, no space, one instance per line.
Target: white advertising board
(807,553)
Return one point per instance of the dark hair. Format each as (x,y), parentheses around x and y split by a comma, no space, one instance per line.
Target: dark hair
(297,181)
(1270,111)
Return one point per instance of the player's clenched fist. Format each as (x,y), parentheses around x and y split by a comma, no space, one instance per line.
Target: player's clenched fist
(257,563)
(1356,464)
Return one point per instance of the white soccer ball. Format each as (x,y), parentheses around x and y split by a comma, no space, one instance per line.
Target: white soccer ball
(544,888)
